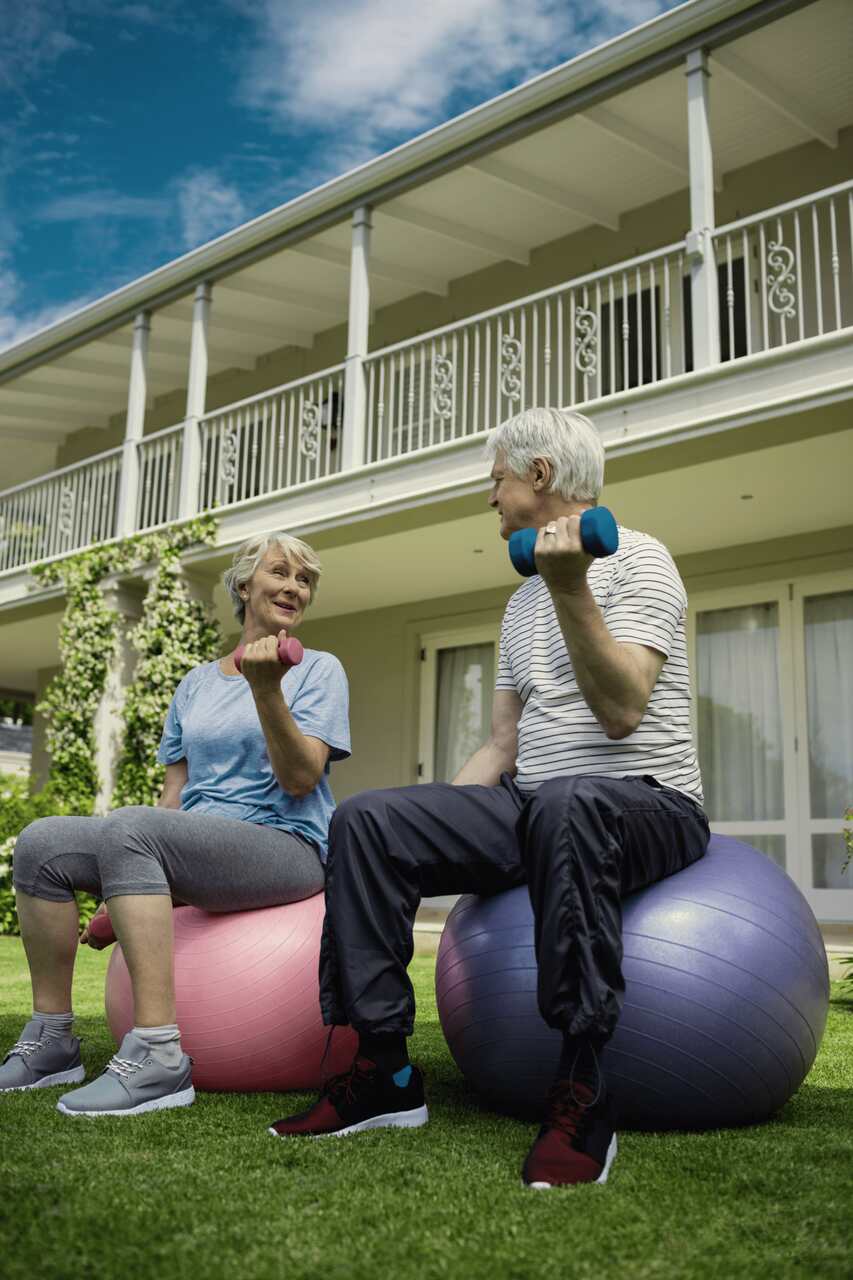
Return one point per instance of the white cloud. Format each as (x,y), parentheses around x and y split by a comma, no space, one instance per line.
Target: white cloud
(207,207)
(369,70)
(106,203)
(15,326)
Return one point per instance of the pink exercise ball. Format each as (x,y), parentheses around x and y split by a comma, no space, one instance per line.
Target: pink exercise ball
(247,995)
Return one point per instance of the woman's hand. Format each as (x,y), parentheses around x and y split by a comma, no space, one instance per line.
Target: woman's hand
(87,939)
(260,663)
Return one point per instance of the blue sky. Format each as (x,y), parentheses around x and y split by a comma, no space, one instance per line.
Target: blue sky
(133,132)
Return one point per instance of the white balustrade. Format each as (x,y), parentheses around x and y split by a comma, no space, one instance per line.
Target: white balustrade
(73,508)
(603,333)
(786,274)
(784,277)
(159,477)
(272,442)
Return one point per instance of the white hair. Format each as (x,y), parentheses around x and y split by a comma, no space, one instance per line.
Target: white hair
(248,556)
(567,439)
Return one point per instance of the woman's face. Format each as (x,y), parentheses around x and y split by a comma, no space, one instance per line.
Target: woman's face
(277,594)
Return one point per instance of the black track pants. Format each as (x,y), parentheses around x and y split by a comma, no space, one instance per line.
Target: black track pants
(579,843)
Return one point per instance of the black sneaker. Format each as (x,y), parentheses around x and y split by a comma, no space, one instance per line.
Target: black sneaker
(362,1098)
(576,1143)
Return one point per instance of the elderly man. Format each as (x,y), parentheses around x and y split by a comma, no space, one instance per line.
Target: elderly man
(587,790)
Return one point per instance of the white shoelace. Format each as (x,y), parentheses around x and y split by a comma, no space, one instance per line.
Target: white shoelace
(25,1047)
(123,1067)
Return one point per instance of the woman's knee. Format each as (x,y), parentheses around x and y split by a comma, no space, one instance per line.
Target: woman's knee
(35,849)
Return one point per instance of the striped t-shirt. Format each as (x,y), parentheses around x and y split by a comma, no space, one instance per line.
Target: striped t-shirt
(643,600)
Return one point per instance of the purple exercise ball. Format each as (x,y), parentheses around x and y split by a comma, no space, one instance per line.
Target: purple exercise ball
(726,997)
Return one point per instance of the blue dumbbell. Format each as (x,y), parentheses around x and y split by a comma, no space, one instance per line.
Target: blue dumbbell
(599,535)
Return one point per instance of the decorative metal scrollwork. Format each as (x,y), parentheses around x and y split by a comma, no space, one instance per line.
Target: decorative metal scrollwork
(586,356)
(510,367)
(780,299)
(309,430)
(228,456)
(442,387)
(66,510)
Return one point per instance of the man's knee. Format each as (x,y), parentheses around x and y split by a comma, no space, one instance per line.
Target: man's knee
(564,794)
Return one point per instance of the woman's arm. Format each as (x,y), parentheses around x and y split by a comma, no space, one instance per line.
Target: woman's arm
(173,785)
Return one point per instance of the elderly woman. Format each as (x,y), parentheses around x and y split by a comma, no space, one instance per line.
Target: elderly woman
(242,823)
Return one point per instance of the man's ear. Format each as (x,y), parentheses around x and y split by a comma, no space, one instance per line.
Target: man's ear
(541,474)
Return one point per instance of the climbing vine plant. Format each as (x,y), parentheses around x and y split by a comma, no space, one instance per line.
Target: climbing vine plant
(173,635)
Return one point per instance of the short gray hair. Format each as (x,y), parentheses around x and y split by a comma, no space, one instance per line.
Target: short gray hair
(567,439)
(248,556)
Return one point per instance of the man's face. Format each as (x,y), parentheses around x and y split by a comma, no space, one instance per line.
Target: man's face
(514,499)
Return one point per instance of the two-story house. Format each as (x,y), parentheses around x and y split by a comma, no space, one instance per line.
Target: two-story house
(658,232)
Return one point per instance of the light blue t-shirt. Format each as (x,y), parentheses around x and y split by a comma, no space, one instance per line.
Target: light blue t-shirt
(214,724)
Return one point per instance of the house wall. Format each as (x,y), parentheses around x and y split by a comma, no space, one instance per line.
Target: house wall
(779,178)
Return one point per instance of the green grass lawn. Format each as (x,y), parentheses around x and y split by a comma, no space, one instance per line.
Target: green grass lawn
(205,1192)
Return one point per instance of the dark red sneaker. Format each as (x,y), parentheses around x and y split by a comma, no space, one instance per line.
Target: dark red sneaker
(576,1143)
(362,1098)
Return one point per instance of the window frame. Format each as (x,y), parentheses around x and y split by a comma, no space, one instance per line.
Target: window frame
(431,643)
(829,905)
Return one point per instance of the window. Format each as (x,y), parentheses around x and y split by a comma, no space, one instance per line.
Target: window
(457,683)
(772,670)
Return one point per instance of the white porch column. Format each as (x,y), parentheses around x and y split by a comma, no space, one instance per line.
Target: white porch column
(355,394)
(137,393)
(196,392)
(700,248)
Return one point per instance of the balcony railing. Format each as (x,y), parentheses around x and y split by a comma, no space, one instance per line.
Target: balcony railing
(68,510)
(784,276)
(272,442)
(159,477)
(606,332)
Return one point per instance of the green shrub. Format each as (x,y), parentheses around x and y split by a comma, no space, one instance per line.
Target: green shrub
(17,810)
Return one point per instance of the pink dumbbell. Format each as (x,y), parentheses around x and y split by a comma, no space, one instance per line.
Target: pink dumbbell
(290,653)
(101,927)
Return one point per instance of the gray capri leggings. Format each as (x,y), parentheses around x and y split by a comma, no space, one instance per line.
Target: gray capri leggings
(200,860)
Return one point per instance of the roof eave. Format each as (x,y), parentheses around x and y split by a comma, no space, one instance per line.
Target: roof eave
(340,194)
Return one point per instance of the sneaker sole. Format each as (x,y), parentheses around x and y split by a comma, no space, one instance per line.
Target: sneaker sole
(73,1076)
(602,1177)
(392,1120)
(183,1099)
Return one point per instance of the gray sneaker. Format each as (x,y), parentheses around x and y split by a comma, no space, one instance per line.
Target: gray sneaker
(38,1063)
(133,1082)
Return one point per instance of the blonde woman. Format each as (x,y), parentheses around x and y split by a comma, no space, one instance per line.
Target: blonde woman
(242,823)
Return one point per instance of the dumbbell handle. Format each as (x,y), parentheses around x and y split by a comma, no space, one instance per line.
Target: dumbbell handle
(290,653)
(599,537)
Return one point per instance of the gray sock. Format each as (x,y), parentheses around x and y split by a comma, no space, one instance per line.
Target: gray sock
(164,1042)
(56,1025)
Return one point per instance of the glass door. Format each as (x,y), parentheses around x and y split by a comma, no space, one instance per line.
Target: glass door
(772,674)
(823,632)
(457,684)
(743,720)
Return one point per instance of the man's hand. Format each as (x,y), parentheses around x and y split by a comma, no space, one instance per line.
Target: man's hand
(560,557)
(260,664)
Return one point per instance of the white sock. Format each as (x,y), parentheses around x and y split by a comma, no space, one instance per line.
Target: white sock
(56,1025)
(164,1043)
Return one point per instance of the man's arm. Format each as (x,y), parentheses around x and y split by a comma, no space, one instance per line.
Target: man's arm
(499,754)
(615,678)
(173,784)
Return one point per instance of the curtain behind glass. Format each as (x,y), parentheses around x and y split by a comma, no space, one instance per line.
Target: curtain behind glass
(829,688)
(466,679)
(739,719)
